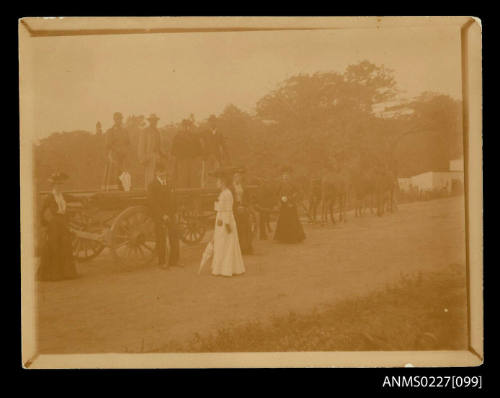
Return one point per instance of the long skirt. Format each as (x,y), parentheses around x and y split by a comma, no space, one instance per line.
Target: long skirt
(227,259)
(56,260)
(244,229)
(289,229)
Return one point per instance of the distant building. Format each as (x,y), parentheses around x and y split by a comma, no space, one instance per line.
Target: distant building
(437,180)
(457,164)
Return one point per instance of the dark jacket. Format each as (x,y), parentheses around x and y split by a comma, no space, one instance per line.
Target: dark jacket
(49,208)
(289,190)
(266,197)
(117,140)
(214,144)
(186,145)
(161,200)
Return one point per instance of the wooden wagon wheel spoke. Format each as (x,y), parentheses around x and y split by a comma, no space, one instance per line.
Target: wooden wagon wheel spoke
(78,245)
(140,251)
(83,246)
(147,247)
(88,248)
(120,245)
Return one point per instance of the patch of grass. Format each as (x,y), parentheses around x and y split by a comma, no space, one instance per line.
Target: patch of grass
(416,313)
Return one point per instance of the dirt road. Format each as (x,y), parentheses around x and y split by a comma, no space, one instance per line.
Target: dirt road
(108,310)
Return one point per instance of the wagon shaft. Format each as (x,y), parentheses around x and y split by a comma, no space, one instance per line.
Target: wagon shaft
(92,236)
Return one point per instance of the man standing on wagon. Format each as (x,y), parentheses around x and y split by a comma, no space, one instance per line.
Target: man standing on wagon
(162,204)
(150,149)
(117,147)
(215,153)
(186,147)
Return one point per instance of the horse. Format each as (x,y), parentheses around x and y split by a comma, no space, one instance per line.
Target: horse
(315,196)
(386,184)
(364,190)
(334,188)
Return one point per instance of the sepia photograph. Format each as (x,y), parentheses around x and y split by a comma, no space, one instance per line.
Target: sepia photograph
(251,192)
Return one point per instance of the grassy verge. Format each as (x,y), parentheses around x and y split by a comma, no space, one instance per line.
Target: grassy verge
(418,313)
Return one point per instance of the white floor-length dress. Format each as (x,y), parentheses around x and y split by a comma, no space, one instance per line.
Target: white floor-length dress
(227,259)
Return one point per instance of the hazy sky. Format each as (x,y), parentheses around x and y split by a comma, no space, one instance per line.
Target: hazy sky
(82,79)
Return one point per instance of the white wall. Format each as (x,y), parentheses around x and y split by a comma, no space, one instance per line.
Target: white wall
(432,180)
(457,164)
(423,181)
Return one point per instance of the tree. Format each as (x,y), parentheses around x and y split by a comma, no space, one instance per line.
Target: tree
(329,116)
(433,133)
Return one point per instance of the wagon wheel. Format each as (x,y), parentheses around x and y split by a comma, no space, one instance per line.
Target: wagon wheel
(192,227)
(85,249)
(132,237)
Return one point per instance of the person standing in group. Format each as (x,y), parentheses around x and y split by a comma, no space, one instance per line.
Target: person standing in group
(117,147)
(162,204)
(289,229)
(215,154)
(150,149)
(56,259)
(186,147)
(265,203)
(227,258)
(242,214)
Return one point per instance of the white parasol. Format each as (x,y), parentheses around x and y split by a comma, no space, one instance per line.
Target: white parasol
(207,255)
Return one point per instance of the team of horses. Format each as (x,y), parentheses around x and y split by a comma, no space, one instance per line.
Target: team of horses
(370,190)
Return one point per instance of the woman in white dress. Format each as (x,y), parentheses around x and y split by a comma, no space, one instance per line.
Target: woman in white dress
(227,259)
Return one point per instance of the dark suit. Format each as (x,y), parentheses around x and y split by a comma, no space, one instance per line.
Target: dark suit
(214,144)
(161,200)
(186,147)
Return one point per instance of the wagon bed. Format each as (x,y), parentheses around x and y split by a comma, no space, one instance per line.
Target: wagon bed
(122,222)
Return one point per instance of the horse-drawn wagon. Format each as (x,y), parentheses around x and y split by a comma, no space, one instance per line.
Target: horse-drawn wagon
(121,221)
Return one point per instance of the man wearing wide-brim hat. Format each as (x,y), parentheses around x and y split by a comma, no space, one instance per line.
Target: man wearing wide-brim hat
(150,149)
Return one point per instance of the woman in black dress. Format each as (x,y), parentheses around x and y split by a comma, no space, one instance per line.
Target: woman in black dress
(289,229)
(241,213)
(56,260)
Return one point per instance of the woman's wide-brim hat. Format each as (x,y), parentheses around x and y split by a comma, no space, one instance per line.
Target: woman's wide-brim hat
(153,117)
(58,177)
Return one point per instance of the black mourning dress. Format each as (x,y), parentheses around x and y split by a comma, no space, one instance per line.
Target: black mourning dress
(289,229)
(56,257)
(242,218)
